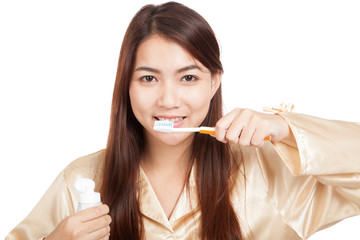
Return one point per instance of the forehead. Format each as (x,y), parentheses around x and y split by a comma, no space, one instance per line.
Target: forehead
(160,52)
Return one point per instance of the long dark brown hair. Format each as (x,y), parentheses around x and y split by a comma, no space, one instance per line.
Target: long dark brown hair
(125,146)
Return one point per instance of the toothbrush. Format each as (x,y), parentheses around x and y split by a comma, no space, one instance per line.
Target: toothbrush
(167,126)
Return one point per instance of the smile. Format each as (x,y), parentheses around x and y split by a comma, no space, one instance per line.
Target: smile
(170,119)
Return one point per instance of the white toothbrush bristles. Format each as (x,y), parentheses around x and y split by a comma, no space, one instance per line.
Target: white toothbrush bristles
(163,126)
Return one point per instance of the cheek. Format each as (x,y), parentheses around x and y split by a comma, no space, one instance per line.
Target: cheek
(139,101)
(199,100)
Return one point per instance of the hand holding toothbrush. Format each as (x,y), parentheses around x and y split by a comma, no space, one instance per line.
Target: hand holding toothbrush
(250,128)
(240,126)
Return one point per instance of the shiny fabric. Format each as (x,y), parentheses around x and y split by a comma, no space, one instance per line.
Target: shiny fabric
(291,189)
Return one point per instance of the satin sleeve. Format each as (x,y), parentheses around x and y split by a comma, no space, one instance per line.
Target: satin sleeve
(54,206)
(320,183)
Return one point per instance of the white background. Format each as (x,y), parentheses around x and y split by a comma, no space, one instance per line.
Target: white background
(58,61)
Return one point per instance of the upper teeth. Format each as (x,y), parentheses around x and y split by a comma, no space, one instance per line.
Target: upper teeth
(171,119)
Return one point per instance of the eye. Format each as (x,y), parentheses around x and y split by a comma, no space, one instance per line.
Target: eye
(148,78)
(189,78)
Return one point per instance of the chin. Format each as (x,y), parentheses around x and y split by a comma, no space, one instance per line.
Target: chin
(173,139)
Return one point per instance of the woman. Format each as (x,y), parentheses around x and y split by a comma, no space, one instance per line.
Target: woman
(232,185)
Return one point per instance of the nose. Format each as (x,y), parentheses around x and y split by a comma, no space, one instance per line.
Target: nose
(168,95)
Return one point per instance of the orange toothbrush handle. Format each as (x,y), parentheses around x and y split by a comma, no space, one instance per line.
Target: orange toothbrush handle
(207,131)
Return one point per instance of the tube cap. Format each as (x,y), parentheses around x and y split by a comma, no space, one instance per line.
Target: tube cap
(84,188)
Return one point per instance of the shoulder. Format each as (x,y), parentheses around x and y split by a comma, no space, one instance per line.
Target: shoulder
(89,166)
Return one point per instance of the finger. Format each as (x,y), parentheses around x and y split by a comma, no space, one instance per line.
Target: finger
(107,237)
(102,233)
(93,213)
(258,138)
(249,121)
(247,133)
(97,223)
(236,128)
(223,124)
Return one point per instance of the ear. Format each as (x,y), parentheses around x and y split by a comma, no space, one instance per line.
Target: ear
(215,82)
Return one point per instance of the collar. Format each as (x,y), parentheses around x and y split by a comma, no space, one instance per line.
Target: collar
(151,207)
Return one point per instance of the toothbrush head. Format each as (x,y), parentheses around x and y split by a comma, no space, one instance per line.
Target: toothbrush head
(163,126)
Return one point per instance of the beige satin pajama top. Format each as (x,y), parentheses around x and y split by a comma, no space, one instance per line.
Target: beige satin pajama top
(291,191)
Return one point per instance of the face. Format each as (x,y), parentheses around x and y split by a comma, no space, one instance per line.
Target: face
(169,84)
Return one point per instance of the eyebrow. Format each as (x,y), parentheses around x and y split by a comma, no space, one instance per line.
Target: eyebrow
(190,67)
(154,70)
(147,69)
